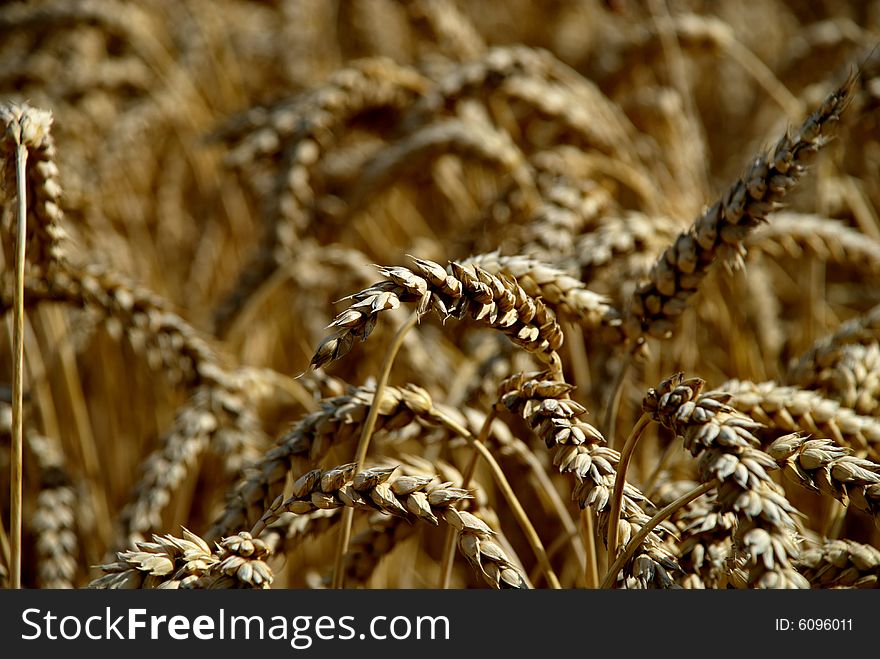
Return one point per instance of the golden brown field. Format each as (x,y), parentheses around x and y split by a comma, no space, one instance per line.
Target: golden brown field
(434,293)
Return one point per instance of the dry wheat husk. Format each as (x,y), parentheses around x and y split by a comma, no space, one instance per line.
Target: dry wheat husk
(567,296)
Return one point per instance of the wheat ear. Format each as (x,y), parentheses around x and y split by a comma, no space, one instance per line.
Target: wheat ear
(720,231)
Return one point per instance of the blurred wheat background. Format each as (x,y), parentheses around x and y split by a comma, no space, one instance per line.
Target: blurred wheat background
(522,219)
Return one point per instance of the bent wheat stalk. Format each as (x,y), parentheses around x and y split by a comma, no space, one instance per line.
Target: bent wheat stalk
(620,480)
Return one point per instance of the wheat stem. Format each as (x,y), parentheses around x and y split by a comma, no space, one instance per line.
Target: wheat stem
(18,365)
(364,445)
(657,519)
(591,566)
(620,481)
(516,508)
(449,547)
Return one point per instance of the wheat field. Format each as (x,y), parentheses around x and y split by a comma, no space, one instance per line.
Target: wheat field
(440,294)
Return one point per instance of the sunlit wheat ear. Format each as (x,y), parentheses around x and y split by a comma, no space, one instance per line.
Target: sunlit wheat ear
(169,562)
(567,296)
(414,497)
(822,466)
(459,291)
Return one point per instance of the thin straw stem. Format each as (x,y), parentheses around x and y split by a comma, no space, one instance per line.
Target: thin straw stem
(449,546)
(591,566)
(17,370)
(516,508)
(657,519)
(364,445)
(620,481)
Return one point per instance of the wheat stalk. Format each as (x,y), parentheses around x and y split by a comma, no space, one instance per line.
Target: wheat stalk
(25,128)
